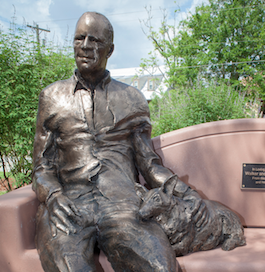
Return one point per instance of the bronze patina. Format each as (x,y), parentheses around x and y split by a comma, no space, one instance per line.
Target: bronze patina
(92,140)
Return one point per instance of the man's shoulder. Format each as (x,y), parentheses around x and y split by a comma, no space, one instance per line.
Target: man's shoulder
(123,86)
(123,90)
(126,101)
(58,87)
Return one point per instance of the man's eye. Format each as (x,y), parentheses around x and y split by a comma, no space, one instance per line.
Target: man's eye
(79,38)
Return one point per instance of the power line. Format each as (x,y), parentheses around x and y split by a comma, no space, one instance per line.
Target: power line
(107,15)
(132,12)
(210,43)
(224,9)
(115,22)
(220,64)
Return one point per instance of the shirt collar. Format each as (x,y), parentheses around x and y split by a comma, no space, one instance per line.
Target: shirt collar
(81,84)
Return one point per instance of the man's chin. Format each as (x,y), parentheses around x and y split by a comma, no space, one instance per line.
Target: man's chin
(86,68)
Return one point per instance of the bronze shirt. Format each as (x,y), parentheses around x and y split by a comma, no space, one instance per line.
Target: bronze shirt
(82,133)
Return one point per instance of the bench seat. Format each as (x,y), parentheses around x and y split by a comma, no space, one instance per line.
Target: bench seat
(249,258)
(209,158)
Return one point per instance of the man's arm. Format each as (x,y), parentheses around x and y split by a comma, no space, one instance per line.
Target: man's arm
(45,180)
(149,163)
(155,174)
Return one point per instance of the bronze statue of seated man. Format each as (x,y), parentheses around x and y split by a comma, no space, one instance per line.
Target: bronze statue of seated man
(92,140)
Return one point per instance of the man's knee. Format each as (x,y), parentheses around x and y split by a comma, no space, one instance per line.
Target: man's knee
(70,253)
(63,254)
(143,246)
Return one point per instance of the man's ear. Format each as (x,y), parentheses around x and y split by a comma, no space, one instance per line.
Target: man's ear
(110,51)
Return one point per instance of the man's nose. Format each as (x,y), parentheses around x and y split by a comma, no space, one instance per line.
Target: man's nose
(87,43)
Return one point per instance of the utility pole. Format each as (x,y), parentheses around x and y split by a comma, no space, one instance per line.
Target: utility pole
(38,31)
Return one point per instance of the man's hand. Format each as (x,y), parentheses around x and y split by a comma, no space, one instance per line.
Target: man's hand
(61,209)
(199,210)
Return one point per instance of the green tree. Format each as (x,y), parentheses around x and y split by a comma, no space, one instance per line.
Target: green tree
(199,104)
(225,39)
(25,69)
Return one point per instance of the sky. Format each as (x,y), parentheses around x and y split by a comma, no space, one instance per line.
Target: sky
(60,17)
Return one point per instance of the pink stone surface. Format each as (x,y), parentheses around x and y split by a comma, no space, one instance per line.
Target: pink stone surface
(17,231)
(208,157)
(249,258)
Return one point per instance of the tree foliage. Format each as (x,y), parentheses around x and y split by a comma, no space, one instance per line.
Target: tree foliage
(25,69)
(198,104)
(225,40)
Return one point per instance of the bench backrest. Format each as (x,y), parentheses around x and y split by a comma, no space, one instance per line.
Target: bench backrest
(209,157)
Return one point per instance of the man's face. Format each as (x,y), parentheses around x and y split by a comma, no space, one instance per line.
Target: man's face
(92,45)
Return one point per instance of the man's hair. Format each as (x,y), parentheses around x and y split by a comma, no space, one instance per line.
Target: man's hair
(104,19)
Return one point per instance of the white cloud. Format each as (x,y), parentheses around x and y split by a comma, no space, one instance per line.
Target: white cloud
(43,7)
(197,3)
(130,43)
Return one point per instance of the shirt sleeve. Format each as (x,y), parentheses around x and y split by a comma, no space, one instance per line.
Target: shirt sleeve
(149,163)
(45,179)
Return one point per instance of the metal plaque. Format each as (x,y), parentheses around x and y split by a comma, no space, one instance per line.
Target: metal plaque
(253,176)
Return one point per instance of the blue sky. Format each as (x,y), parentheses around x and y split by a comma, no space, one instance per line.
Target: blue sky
(60,17)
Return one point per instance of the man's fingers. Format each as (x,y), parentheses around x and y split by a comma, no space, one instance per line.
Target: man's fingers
(65,207)
(205,221)
(201,218)
(74,209)
(62,210)
(199,213)
(69,208)
(197,217)
(58,225)
(202,221)
(53,229)
(195,203)
(63,221)
(63,228)
(199,210)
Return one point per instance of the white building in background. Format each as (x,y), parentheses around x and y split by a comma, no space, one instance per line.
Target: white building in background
(148,83)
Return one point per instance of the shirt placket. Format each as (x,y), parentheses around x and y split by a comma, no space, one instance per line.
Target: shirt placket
(88,107)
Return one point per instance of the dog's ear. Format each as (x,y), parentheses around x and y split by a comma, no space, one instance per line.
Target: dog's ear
(169,185)
(140,190)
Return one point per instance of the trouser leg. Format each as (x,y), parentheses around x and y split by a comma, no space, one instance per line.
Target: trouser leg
(133,246)
(64,253)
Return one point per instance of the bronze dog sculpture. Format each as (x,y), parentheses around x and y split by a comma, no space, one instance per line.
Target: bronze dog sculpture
(175,215)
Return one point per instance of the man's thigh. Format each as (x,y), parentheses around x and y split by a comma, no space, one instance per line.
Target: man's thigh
(67,253)
(134,245)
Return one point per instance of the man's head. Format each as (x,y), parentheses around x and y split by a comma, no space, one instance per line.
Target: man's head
(93,44)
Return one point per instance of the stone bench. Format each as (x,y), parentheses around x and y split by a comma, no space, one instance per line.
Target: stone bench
(209,158)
